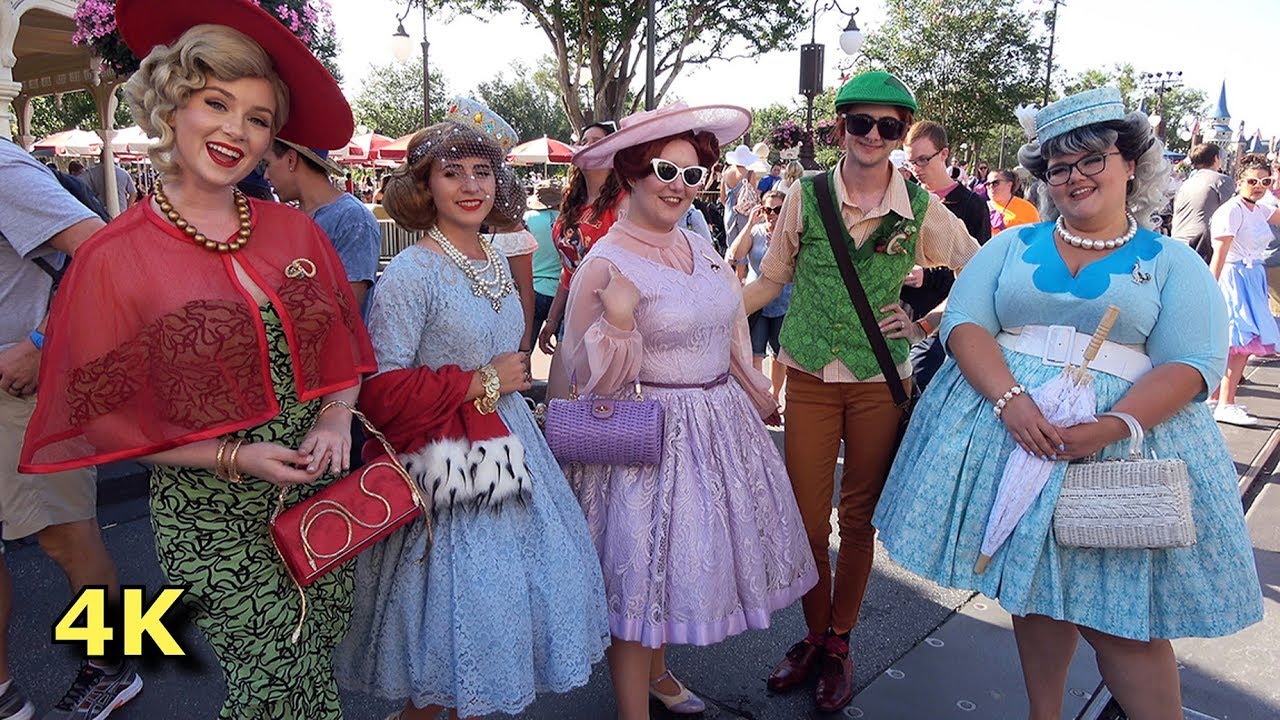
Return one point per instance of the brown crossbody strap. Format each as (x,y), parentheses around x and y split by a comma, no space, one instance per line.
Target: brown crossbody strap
(858,296)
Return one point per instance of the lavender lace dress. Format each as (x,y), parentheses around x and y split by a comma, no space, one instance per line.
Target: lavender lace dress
(708,543)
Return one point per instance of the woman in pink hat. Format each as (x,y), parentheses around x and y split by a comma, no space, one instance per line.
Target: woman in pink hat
(708,542)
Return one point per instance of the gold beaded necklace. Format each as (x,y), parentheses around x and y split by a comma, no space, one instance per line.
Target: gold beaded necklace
(242,235)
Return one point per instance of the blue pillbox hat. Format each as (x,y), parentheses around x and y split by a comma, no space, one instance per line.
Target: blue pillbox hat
(1086,108)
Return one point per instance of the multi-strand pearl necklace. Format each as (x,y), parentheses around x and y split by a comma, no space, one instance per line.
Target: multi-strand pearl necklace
(492,289)
(1087,244)
(242,210)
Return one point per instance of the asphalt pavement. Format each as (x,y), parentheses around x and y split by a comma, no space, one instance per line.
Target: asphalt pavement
(921,651)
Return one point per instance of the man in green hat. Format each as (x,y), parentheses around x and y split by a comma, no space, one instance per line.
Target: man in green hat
(836,389)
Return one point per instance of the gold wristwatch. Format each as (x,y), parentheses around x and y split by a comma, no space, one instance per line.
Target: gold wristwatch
(489,402)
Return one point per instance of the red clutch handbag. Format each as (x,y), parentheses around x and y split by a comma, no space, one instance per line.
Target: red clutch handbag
(334,525)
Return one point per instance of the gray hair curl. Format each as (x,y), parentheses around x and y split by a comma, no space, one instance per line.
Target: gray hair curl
(1132,136)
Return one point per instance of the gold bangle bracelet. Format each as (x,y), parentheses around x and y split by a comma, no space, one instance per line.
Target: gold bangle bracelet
(219,469)
(233,472)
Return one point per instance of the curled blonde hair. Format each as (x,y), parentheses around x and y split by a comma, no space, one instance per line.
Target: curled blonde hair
(171,73)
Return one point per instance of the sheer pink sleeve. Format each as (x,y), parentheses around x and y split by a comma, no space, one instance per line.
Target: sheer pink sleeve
(603,358)
(752,381)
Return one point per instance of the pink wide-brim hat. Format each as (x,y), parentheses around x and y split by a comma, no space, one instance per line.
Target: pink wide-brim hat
(726,122)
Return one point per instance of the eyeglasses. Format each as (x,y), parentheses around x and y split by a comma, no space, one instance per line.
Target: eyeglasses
(668,171)
(920,161)
(772,210)
(994,183)
(1264,182)
(891,128)
(1088,166)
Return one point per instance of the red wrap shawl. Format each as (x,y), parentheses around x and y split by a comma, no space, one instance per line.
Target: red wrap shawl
(460,457)
(152,343)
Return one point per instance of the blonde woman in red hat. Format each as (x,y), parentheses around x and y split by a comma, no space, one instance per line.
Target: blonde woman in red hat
(708,542)
(203,333)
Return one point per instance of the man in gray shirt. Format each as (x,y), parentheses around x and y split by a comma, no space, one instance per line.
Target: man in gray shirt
(95,179)
(39,220)
(1199,197)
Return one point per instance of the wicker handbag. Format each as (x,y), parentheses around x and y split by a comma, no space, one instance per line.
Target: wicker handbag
(1133,502)
(604,431)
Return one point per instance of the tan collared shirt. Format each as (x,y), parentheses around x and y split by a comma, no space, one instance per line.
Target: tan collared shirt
(944,242)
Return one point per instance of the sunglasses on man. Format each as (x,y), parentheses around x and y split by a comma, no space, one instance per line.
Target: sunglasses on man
(891,128)
(667,171)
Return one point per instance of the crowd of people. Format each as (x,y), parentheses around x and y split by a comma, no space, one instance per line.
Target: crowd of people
(228,342)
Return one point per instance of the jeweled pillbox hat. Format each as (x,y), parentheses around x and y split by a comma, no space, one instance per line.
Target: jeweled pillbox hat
(473,113)
(876,88)
(1075,111)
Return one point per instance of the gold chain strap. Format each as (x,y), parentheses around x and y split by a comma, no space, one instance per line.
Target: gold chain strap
(330,507)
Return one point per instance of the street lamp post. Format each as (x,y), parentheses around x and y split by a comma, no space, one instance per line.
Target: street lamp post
(811,61)
(400,48)
(1160,83)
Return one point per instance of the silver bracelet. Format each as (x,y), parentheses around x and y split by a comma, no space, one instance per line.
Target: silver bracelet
(1009,394)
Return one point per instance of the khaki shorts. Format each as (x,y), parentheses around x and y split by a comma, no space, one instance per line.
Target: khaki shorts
(31,503)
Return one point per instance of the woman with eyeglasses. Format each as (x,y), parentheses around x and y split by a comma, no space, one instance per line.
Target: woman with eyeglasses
(1007,209)
(1027,303)
(1241,231)
(708,542)
(745,254)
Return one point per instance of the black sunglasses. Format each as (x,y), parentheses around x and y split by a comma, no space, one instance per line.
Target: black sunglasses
(772,210)
(891,128)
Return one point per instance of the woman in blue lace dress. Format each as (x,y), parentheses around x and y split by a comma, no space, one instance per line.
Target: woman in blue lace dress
(503,596)
(1168,346)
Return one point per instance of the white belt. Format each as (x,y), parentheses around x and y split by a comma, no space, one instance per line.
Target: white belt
(1060,345)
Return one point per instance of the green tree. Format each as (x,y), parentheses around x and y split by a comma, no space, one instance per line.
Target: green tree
(599,46)
(1178,105)
(532,108)
(73,110)
(390,102)
(969,63)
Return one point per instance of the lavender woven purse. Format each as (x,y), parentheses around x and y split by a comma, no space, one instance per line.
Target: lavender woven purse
(605,431)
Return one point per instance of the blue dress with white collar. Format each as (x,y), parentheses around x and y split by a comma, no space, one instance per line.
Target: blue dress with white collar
(933,512)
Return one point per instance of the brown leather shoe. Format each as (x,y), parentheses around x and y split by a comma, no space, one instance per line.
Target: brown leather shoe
(835,681)
(795,666)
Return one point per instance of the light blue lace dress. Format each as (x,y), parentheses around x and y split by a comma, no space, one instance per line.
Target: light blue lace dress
(506,604)
(934,508)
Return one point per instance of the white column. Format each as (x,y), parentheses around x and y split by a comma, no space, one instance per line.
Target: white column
(9,90)
(104,96)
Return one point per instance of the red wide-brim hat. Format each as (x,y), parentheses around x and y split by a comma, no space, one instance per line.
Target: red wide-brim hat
(319,115)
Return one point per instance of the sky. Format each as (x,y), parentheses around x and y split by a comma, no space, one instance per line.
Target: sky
(1090,33)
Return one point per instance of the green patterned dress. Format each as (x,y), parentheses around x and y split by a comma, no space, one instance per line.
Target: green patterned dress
(213,536)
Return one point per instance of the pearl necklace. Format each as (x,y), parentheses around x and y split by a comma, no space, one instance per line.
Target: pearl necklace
(1087,244)
(242,235)
(491,289)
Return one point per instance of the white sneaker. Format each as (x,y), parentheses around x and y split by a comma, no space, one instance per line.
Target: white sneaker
(1234,415)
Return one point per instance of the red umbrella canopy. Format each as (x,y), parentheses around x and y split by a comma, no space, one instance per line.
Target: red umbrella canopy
(396,149)
(543,151)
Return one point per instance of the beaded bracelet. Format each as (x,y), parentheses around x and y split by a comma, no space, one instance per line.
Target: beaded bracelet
(1009,394)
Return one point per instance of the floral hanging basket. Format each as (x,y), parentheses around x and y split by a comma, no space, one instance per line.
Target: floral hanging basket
(310,20)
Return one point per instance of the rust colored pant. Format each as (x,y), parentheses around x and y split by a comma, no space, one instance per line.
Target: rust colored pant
(819,416)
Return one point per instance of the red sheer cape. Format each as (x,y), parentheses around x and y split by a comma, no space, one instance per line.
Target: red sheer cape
(153,344)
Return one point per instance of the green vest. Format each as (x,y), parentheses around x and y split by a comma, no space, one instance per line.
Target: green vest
(821,324)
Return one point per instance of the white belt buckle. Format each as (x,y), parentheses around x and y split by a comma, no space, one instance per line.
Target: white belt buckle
(1059,342)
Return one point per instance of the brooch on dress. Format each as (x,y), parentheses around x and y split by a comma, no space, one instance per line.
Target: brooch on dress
(714,265)
(1140,277)
(300,268)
